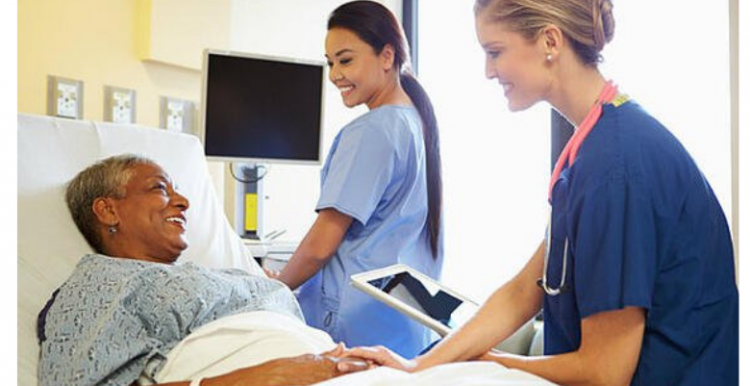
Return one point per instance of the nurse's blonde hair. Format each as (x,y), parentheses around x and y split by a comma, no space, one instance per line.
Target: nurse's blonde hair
(587,24)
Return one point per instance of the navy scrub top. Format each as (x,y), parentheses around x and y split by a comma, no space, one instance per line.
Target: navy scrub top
(645,230)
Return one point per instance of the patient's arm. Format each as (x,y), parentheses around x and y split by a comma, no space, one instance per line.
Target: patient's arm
(301,370)
(316,248)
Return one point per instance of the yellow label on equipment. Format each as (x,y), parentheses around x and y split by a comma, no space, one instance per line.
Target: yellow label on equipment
(251,212)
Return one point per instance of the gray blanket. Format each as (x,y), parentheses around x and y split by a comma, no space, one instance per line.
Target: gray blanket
(113,316)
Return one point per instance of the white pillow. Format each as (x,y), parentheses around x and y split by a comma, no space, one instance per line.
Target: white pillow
(50,153)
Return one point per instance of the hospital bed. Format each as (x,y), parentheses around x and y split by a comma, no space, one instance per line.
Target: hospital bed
(52,150)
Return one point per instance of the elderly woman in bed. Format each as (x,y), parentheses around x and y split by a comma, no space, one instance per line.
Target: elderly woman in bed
(131,315)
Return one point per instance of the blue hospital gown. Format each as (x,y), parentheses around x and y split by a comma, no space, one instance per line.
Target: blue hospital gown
(115,317)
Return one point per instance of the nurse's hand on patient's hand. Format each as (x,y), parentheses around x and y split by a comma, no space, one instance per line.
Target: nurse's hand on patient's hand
(347,364)
(339,351)
(300,370)
(271,273)
(379,356)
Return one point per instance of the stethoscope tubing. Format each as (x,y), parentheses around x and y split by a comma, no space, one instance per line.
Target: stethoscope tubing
(543,281)
(568,155)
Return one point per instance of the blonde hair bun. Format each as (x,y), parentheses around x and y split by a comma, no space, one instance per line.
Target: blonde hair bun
(588,24)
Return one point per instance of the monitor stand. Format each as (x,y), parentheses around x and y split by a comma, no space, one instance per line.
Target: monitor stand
(249,198)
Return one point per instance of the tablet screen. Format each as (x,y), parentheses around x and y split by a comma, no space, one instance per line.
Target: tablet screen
(427,298)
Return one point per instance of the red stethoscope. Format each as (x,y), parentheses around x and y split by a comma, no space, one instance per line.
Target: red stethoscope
(568,156)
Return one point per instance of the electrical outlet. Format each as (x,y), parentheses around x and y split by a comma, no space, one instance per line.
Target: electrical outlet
(119,105)
(176,115)
(64,97)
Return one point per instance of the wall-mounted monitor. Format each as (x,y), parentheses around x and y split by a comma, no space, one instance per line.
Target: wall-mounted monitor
(261,109)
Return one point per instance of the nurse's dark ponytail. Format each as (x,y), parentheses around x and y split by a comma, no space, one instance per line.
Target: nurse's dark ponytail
(432,153)
(377,26)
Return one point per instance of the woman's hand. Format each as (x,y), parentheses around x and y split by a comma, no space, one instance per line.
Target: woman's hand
(300,370)
(271,273)
(377,355)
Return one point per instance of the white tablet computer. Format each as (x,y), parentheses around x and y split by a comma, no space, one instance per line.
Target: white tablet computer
(418,296)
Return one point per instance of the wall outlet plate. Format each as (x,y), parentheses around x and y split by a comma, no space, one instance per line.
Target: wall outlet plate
(64,97)
(176,115)
(119,105)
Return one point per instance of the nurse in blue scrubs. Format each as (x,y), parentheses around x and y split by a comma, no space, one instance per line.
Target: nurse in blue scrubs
(636,274)
(381,190)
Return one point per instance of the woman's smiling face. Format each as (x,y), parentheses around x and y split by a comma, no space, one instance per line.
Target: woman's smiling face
(151,216)
(354,68)
(518,64)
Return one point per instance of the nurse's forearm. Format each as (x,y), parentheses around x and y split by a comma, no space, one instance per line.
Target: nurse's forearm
(505,311)
(317,248)
(566,369)
(569,369)
(608,354)
(516,302)
(301,267)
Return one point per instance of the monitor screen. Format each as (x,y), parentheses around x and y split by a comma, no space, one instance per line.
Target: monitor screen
(261,109)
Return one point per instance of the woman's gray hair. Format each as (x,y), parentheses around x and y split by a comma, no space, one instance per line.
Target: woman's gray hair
(106,178)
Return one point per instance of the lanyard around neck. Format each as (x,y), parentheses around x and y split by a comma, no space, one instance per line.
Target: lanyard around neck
(568,155)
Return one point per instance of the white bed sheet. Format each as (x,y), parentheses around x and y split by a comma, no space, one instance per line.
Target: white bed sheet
(451,374)
(255,337)
(241,340)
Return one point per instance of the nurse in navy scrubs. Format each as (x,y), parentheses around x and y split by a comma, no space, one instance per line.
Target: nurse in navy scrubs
(636,274)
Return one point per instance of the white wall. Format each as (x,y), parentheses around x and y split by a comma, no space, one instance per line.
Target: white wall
(297,29)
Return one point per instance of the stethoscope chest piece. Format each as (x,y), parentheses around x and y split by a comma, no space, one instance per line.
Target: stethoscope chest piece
(542,282)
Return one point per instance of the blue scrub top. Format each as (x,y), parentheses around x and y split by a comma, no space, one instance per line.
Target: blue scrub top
(375,172)
(645,230)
